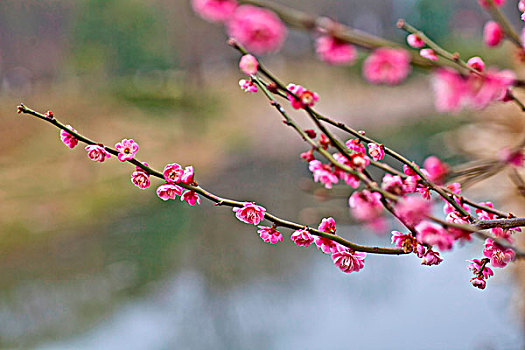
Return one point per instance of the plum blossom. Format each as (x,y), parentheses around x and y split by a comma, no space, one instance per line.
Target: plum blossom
(431,257)
(476,63)
(323,173)
(404,240)
(326,245)
(450,90)
(387,66)
(457,233)
(68,139)
(437,170)
(475,266)
(412,209)
(169,191)
(348,260)
(214,10)
(327,225)
(269,234)
(492,86)
(499,256)
(140,178)
(356,145)
(191,198)
(484,215)
(127,149)
(376,151)
(365,205)
(248,85)
(485,3)
(493,33)
(302,237)
(249,64)
(478,282)
(304,97)
(188,177)
(335,51)
(429,54)
(415,41)
(393,184)
(173,173)
(433,234)
(97,153)
(250,213)
(260,30)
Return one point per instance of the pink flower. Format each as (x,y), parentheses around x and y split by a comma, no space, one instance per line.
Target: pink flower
(431,258)
(302,238)
(449,90)
(475,267)
(365,205)
(415,41)
(412,209)
(188,176)
(429,54)
(499,256)
(505,234)
(305,97)
(434,234)
(376,151)
(323,173)
(335,51)
(140,178)
(484,215)
(97,153)
(393,184)
(269,234)
(492,86)
(348,260)
(249,64)
(359,161)
(214,10)
(250,213)
(127,149)
(169,191)
(476,63)
(308,156)
(327,225)
(410,184)
(191,198)
(387,66)
(521,5)
(437,170)
(248,85)
(458,233)
(173,173)
(68,139)
(493,33)
(485,4)
(478,282)
(403,240)
(356,145)
(258,29)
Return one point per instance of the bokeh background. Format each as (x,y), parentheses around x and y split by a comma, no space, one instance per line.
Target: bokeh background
(88,261)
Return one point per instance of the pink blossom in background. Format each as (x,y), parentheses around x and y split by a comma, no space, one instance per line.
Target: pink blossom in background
(249,64)
(502,233)
(248,85)
(140,179)
(387,66)
(476,63)
(514,158)
(348,260)
(424,191)
(359,160)
(493,33)
(335,51)
(485,4)
(431,258)
(260,30)
(191,198)
(429,54)
(492,86)
(68,139)
(188,175)
(305,97)
(449,90)
(499,256)
(302,238)
(410,184)
(408,171)
(173,173)
(169,191)
(214,10)
(393,184)
(269,234)
(327,225)
(484,215)
(250,213)
(475,267)
(365,205)
(415,41)
(437,170)
(127,149)
(521,5)
(434,234)
(356,145)
(457,233)
(376,151)
(412,209)
(323,173)
(97,153)
(403,240)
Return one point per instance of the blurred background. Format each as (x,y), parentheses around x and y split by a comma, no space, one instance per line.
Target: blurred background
(90,261)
